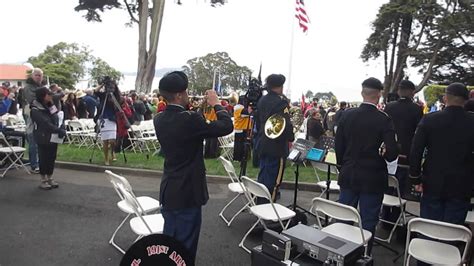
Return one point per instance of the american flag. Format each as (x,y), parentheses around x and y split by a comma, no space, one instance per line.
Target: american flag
(303,18)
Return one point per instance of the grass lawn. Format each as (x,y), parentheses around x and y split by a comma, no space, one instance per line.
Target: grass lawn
(139,160)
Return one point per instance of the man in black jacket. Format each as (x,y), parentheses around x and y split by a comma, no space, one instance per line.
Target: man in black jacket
(183,188)
(365,138)
(448,170)
(273,151)
(314,127)
(338,115)
(405,115)
(139,109)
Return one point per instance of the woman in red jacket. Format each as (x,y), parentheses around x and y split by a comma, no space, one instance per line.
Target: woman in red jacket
(122,125)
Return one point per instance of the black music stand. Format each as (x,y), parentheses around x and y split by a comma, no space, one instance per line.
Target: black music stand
(327,143)
(297,155)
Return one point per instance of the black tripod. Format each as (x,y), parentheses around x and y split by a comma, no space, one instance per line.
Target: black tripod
(101,121)
(247,146)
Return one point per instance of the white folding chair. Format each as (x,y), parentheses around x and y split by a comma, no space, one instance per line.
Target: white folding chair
(264,212)
(341,212)
(226,143)
(12,156)
(145,204)
(235,186)
(322,183)
(92,139)
(393,201)
(142,224)
(138,139)
(470,218)
(433,252)
(16,122)
(78,133)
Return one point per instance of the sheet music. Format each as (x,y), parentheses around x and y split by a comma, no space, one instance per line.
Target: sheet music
(302,146)
(331,157)
(56,139)
(60,117)
(392,167)
(54,136)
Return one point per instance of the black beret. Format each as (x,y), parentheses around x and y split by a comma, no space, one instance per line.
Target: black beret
(175,81)
(275,80)
(407,85)
(458,89)
(40,93)
(372,83)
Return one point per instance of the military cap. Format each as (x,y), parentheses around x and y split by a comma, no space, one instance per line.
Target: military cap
(372,83)
(175,81)
(458,89)
(407,85)
(275,80)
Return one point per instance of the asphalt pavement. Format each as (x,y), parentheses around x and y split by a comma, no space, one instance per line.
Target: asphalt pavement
(71,225)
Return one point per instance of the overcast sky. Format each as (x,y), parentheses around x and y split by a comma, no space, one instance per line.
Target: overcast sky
(251,31)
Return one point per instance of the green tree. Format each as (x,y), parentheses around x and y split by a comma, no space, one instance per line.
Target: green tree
(425,35)
(148,14)
(67,63)
(200,71)
(433,93)
(329,97)
(100,68)
(447,51)
(63,63)
(309,94)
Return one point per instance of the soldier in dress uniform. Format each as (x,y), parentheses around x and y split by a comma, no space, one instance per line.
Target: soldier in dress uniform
(447,174)
(183,188)
(365,138)
(405,115)
(273,152)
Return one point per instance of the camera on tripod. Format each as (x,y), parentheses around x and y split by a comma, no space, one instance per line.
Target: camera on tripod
(254,92)
(108,83)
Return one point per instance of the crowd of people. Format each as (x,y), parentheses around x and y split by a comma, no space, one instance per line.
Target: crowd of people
(434,150)
(366,138)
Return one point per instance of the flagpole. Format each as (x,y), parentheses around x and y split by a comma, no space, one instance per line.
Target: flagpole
(214,81)
(290,63)
(219,84)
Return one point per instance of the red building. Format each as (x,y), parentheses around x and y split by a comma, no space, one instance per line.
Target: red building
(15,74)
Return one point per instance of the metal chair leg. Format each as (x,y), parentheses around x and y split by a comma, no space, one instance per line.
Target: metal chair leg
(111,241)
(241,244)
(237,213)
(221,214)
(395,225)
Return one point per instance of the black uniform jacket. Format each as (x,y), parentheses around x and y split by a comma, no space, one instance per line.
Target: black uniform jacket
(448,137)
(360,134)
(405,115)
(268,105)
(181,134)
(45,123)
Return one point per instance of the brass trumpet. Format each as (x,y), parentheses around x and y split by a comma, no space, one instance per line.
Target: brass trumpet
(232,98)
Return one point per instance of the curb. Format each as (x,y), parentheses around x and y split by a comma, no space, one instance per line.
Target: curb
(304,186)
